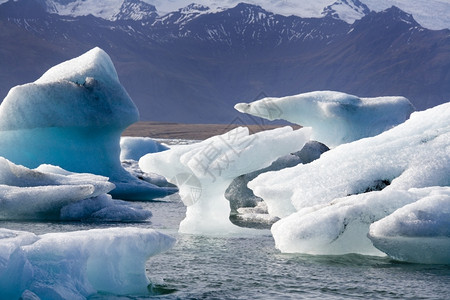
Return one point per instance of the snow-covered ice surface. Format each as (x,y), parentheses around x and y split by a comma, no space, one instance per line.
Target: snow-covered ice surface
(418,232)
(341,226)
(51,193)
(204,170)
(327,196)
(74,265)
(73,117)
(335,117)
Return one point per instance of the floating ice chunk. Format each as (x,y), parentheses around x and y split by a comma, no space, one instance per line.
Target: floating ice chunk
(73,117)
(104,208)
(204,170)
(50,192)
(74,265)
(414,154)
(133,148)
(418,232)
(342,226)
(335,117)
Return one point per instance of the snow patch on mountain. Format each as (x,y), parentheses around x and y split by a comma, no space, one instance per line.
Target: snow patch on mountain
(347,10)
(107,9)
(431,14)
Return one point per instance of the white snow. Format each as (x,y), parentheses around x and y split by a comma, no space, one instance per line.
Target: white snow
(326,218)
(51,193)
(74,265)
(335,117)
(204,170)
(73,117)
(418,232)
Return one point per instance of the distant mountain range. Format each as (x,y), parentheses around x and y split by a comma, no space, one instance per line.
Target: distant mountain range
(193,64)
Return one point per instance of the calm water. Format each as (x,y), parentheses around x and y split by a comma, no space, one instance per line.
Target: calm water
(251,268)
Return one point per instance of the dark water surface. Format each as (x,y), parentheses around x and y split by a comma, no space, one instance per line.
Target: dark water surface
(251,268)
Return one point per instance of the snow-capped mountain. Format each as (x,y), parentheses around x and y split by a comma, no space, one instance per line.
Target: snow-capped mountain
(195,63)
(347,10)
(432,14)
(184,15)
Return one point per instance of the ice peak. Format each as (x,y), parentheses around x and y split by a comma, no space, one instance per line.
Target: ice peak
(135,10)
(194,7)
(346,10)
(84,91)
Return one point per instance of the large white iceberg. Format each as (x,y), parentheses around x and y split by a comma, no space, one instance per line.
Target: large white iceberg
(326,197)
(414,154)
(335,117)
(418,232)
(73,117)
(204,170)
(74,265)
(51,193)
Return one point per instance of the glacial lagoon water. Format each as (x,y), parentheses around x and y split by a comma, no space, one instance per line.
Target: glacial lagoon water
(251,268)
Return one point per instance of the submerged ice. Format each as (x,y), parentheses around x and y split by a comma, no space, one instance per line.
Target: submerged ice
(335,117)
(204,170)
(74,265)
(73,117)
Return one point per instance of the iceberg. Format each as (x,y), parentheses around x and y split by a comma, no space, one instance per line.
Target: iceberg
(133,148)
(341,226)
(51,193)
(336,118)
(204,170)
(73,117)
(327,206)
(418,232)
(75,265)
(414,154)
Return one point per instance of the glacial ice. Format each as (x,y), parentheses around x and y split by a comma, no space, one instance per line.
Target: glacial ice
(49,192)
(341,226)
(73,117)
(74,265)
(133,148)
(204,170)
(418,232)
(327,206)
(336,118)
(414,154)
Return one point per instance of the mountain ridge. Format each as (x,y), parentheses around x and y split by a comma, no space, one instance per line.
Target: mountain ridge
(195,69)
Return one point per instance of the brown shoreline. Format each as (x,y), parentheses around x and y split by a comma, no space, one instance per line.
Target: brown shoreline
(159,130)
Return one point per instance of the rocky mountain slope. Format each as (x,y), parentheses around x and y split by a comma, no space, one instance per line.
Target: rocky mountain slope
(192,65)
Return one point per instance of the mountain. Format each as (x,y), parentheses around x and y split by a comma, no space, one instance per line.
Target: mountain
(193,64)
(347,10)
